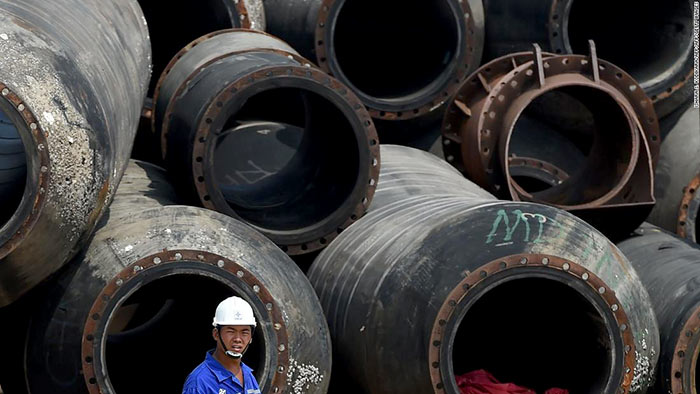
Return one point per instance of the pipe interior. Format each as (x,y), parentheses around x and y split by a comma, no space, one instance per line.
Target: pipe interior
(403,47)
(581,130)
(164,330)
(537,333)
(288,159)
(175,23)
(13,168)
(645,38)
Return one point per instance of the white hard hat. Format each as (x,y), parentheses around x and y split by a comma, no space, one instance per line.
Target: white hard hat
(234,311)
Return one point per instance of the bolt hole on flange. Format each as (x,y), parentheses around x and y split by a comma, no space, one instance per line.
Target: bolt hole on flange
(289,168)
(159,318)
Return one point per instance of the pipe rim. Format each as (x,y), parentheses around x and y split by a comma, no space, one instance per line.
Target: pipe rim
(506,77)
(680,73)
(462,297)
(33,137)
(537,169)
(226,271)
(686,354)
(468,53)
(688,211)
(316,81)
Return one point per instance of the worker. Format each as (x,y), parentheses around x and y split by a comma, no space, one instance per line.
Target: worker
(223,371)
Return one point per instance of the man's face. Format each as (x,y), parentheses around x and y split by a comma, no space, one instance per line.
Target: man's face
(236,338)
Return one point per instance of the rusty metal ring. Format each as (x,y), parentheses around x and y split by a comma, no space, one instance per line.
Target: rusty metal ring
(460,294)
(204,144)
(554,172)
(688,210)
(684,364)
(37,152)
(108,301)
(438,99)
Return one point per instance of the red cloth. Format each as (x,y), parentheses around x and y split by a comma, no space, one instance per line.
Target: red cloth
(482,382)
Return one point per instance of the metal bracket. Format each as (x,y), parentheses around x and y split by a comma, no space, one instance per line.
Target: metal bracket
(594,61)
(539,64)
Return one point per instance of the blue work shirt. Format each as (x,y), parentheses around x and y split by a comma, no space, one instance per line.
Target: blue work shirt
(210,377)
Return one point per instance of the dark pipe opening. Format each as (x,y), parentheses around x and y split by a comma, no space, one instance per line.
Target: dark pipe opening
(402,47)
(288,159)
(644,38)
(590,124)
(13,168)
(538,333)
(163,331)
(175,23)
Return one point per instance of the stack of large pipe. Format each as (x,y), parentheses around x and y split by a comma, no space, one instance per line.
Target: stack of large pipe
(653,43)
(73,76)
(669,268)
(147,286)
(249,128)
(440,278)
(515,110)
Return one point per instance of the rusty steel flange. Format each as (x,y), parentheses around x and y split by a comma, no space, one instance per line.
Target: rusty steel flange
(128,281)
(688,211)
(468,58)
(26,215)
(684,366)
(203,150)
(539,170)
(459,300)
(480,122)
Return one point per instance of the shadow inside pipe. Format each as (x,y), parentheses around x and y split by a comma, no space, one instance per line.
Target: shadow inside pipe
(175,23)
(287,160)
(164,330)
(13,168)
(647,39)
(403,47)
(588,135)
(538,333)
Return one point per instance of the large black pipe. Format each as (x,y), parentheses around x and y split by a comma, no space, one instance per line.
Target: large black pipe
(251,129)
(669,268)
(677,178)
(440,278)
(653,43)
(146,289)
(73,76)
(404,61)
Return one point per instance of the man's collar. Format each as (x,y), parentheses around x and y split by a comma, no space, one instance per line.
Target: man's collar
(219,370)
